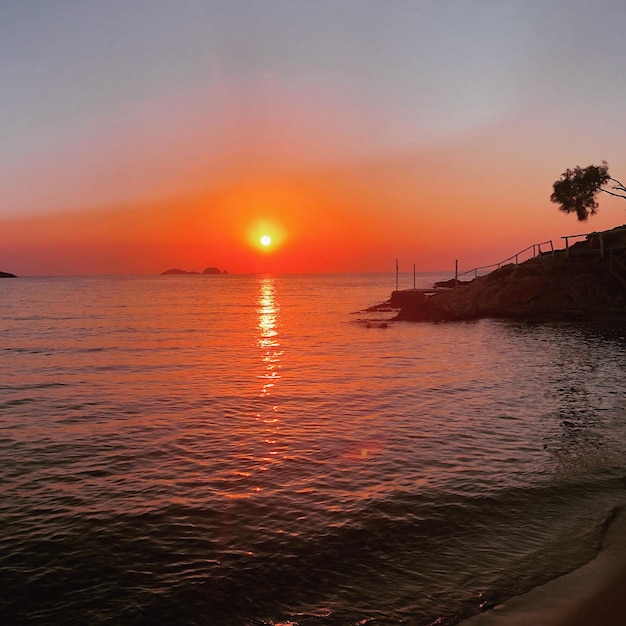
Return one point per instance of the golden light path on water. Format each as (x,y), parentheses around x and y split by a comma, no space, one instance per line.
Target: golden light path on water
(271,353)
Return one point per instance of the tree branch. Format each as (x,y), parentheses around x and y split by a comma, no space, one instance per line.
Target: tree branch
(619,185)
(611,193)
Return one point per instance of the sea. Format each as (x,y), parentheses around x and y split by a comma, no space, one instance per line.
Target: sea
(259,450)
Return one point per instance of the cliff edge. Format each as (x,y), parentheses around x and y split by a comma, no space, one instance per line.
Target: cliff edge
(550,286)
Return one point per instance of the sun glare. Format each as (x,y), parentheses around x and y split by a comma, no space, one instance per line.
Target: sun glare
(265,236)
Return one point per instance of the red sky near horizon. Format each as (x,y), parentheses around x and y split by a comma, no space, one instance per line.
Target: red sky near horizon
(136,139)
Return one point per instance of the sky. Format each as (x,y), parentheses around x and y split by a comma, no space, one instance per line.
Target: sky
(140,136)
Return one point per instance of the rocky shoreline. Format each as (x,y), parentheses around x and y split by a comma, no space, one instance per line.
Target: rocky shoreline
(553,286)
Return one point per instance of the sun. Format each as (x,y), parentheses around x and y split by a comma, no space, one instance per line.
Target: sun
(265,236)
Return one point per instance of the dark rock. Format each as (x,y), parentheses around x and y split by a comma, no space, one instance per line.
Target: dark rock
(380,308)
(224,271)
(546,287)
(7,275)
(452,283)
(404,297)
(212,270)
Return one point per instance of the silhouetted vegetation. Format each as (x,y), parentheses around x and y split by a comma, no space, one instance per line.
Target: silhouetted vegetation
(577,189)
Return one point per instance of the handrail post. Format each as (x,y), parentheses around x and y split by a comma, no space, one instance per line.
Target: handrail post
(566,246)
(601,246)
(396,274)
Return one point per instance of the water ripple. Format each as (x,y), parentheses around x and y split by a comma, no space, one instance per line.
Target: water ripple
(245,454)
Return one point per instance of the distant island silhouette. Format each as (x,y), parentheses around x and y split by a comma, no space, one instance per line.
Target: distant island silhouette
(208,270)
(585,281)
(7,275)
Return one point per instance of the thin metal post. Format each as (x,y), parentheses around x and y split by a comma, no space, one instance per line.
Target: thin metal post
(601,246)
(396,274)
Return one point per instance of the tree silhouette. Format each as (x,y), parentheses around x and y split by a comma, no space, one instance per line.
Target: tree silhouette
(577,189)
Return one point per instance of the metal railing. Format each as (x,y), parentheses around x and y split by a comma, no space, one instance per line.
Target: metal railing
(536,248)
(600,236)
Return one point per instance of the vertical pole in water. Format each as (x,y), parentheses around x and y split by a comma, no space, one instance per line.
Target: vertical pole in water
(413,275)
(456,272)
(396,274)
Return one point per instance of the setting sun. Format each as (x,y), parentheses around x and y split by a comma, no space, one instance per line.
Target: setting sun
(266,235)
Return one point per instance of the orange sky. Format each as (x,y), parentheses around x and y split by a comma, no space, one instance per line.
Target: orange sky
(427,208)
(197,132)
(358,217)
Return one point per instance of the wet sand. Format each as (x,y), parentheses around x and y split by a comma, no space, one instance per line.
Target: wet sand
(592,595)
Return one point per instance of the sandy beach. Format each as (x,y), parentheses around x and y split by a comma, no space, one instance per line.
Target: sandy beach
(592,595)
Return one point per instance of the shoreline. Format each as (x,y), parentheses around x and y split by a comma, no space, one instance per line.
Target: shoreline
(552,286)
(594,594)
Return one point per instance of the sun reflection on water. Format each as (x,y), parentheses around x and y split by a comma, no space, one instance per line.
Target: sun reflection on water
(268,341)
(269,315)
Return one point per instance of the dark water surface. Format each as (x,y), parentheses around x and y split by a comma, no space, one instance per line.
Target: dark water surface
(243,450)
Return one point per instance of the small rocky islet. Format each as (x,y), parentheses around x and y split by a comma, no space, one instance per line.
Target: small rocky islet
(208,270)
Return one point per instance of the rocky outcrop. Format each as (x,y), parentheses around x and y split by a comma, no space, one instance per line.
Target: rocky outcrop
(7,275)
(208,270)
(547,287)
(175,270)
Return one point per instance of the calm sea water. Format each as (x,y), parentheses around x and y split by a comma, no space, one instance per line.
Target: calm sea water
(246,450)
